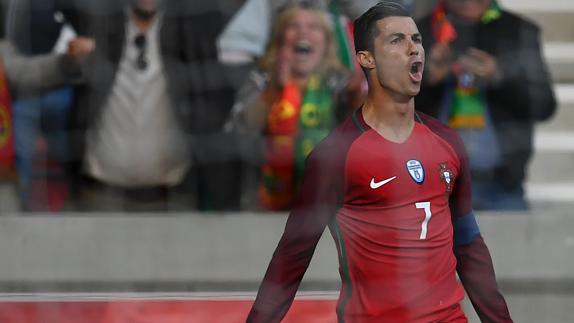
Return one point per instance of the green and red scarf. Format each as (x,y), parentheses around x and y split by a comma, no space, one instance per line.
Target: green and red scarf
(295,125)
(468,101)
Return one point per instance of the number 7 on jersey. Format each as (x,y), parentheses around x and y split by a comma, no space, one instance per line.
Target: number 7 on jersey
(428,215)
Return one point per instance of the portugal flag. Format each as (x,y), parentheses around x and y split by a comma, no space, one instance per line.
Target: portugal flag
(7,157)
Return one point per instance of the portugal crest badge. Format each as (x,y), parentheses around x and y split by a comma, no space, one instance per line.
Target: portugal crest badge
(446,176)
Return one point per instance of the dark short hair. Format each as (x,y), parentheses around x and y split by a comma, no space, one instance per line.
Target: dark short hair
(365,27)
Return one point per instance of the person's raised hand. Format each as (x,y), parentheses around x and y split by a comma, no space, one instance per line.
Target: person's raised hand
(283,67)
(479,63)
(80,48)
(438,63)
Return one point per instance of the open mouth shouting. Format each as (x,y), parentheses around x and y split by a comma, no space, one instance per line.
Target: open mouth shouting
(306,56)
(303,47)
(416,71)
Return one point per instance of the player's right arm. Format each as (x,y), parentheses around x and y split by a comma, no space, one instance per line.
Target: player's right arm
(315,206)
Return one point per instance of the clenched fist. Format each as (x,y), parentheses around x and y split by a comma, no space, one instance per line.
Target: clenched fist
(80,48)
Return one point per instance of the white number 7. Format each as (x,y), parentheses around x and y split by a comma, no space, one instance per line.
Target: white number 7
(428,215)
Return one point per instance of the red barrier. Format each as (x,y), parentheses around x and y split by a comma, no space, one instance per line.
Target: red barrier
(156,311)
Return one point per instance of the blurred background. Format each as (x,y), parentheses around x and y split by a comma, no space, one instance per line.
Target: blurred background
(151,149)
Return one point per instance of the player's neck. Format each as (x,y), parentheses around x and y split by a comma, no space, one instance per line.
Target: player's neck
(393,119)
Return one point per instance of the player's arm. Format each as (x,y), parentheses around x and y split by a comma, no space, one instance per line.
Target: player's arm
(475,269)
(474,264)
(314,208)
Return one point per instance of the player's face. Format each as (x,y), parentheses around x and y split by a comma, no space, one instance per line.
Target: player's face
(471,10)
(398,56)
(305,40)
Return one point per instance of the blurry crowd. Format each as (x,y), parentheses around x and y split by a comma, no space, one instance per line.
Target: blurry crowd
(178,105)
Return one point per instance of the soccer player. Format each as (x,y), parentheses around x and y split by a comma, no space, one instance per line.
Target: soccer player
(393,187)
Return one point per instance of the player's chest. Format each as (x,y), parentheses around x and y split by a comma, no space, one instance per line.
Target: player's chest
(382,173)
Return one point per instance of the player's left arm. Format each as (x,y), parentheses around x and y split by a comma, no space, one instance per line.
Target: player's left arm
(474,263)
(318,199)
(476,271)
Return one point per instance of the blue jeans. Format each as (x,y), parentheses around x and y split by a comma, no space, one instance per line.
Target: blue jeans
(490,195)
(44,116)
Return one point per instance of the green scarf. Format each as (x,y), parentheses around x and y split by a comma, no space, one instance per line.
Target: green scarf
(342,36)
(316,119)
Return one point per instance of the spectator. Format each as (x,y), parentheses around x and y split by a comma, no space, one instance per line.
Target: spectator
(485,76)
(245,38)
(151,86)
(294,102)
(35,73)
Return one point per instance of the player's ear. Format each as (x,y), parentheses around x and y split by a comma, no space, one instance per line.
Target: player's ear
(366,59)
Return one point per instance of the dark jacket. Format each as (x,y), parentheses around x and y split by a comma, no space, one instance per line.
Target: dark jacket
(32,26)
(200,94)
(524,94)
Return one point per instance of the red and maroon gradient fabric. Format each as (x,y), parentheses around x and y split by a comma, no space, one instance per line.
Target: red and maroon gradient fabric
(395,241)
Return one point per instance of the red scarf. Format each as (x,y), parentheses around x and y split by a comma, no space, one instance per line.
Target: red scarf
(442,29)
(7,155)
(295,125)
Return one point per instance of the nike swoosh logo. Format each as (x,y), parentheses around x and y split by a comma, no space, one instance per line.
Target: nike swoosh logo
(375,185)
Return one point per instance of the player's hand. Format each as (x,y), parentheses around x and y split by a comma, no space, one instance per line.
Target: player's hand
(479,63)
(283,67)
(438,64)
(80,48)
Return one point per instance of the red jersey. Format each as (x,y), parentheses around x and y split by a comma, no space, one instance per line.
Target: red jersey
(392,209)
